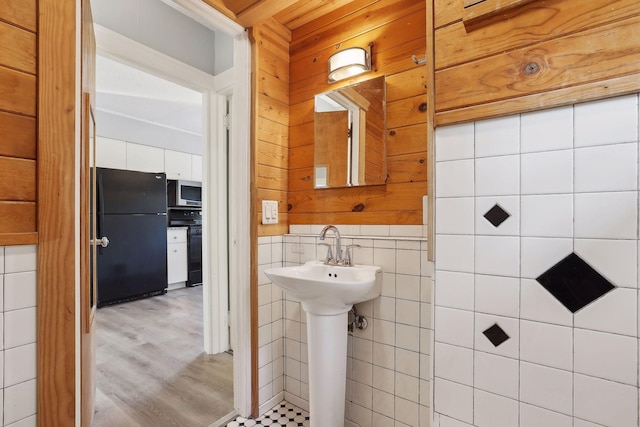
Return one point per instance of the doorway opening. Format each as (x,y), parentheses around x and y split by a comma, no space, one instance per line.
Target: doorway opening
(225,200)
(151,365)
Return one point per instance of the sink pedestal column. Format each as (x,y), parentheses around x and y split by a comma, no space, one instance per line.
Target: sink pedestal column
(327,344)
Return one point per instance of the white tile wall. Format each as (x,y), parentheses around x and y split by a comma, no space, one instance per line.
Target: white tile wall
(621,168)
(608,121)
(18,341)
(495,374)
(457,178)
(457,142)
(389,364)
(607,356)
(491,410)
(533,416)
(605,402)
(606,215)
(497,255)
(493,294)
(546,387)
(455,290)
(497,137)
(547,130)
(569,178)
(454,363)
(546,344)
(271,326)
(490,183)
(453,399)
(555,177)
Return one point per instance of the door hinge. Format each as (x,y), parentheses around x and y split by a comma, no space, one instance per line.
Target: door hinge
(226,121)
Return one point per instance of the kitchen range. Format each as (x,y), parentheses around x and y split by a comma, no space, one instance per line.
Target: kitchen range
(185,210)
(192,220)
(134,210)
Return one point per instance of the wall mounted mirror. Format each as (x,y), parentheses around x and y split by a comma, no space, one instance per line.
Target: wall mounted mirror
(350,135)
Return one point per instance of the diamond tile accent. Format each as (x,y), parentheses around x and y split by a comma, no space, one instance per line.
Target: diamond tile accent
(496,335)
(574,283)
(496,215)
(282,415)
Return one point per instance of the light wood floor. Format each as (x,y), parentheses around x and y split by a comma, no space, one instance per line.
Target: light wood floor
(151,370)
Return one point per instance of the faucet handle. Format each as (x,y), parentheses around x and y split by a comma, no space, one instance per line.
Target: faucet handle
(347,256)
(329,258)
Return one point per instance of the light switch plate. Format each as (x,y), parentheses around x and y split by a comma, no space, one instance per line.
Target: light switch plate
(269,211)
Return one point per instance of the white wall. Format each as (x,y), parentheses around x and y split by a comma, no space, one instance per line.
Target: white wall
(137,106)
(568,177)
(120,127)
(161,27)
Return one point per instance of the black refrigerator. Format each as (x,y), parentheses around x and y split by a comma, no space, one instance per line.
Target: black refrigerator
(132,214)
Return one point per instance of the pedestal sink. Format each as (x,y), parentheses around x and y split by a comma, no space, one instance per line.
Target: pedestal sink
(327,293)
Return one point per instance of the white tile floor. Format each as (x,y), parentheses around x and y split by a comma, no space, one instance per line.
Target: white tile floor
(282,415)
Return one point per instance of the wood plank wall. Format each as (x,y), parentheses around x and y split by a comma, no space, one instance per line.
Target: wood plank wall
(270,141)
(543,54)
(398,31)
(271,121)
(18,125)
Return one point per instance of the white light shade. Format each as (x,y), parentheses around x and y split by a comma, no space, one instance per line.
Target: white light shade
(348,63)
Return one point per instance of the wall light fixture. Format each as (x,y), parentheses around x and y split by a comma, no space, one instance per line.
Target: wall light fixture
(349,62)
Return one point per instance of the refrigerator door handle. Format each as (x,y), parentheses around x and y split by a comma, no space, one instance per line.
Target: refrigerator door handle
(100,208)
(103,241)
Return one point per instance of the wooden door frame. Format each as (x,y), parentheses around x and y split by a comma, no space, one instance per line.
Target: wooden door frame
(58,311)
(216,246)
(58,278)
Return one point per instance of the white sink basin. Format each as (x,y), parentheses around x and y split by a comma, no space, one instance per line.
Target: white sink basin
(328,289)
(327,293)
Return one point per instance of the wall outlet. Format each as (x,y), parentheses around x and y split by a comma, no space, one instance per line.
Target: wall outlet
(269,211)
(297,249)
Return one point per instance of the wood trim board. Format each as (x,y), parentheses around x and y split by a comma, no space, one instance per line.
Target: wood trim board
(57,263)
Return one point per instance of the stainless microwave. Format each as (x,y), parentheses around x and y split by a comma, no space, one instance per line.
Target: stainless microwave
(184,193)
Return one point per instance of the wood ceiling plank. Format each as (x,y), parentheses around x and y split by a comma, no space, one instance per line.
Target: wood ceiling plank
(238,6)
(304,12)
(261,11)
(329,17)
(291,14)
(221,7)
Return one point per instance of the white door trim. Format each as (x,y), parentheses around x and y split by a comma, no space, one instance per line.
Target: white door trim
(235,82)
(239,224)
(215,211)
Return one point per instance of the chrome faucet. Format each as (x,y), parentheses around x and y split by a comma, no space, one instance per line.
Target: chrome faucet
(338,252)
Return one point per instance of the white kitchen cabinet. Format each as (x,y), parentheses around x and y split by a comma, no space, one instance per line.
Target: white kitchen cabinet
(177,165)
(177,267)
(144,158)
(111,153)
(196,167)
